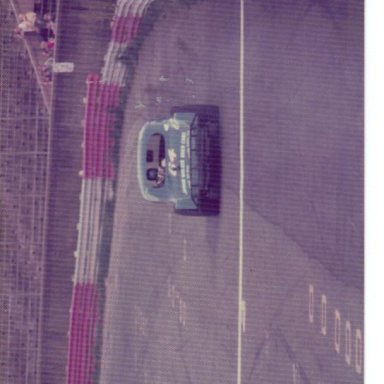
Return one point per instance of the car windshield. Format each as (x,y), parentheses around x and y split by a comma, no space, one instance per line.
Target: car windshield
(155,156)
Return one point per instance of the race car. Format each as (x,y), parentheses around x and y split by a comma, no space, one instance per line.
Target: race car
(179,160)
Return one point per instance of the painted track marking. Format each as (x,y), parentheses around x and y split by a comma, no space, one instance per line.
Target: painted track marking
(348,342)
(185,249)
(324,315)
(337,331)
(241,197)
(311,303)
(359,351)
(243,313)
(295,373)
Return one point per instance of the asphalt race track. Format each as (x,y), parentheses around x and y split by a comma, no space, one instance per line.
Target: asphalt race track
(173,313)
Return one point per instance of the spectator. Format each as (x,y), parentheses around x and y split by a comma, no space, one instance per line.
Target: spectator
(46,34)
(26,24)
(36,19)
(46,70)
(48,46)
(31,22)
(47,28)
(29,17)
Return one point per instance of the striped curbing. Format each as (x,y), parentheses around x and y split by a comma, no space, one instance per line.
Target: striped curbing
(102,99)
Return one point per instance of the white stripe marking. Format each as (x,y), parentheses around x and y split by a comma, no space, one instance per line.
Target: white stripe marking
(311,303)
(348,342)
(359,351)
(324,315)
(337,331)
(241,197)
(182,312)
(296,374)
(243,314)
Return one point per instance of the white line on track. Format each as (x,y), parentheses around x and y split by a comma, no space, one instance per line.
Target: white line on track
(185,249)
(241,197)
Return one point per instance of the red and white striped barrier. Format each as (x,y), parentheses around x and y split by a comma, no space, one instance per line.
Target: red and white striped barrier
(126,20)
(102,98)
(84,318)
(125,25)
